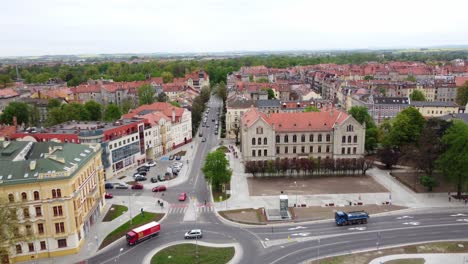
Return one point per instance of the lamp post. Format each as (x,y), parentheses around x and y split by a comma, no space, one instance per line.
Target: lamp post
(130,209)
(118,257)
(295,183)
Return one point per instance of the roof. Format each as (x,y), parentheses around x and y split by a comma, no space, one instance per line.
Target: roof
(240,103)
(8,93)
(165,108)
(268,103)
(391,100)
(145,226)
(53,161)
(6,131)
(459,116)
(433,104)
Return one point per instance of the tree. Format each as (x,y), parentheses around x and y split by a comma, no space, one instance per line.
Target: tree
(174,103)
(127,105)
(75,111)
(10,227)
(94,110)
(271,93)
(19,109)
(361,114)
(145,94)
(54,102)
(462,94)
(221,91)
(406,127)
(5,80)
(262,80)
(388,156)
(112,112)
(417,95)
(429,182)
(411,78)
(167,77)
(216,169)
(56,116)
(453,161)
(311,108)
(162,97)
(34,116)
(368,77)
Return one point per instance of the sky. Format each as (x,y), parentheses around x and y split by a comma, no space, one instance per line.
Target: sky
(58,27)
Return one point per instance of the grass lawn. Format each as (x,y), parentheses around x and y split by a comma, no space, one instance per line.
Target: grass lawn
(185,254)
(123,229)
(114,211)
(223,149)
(217,194)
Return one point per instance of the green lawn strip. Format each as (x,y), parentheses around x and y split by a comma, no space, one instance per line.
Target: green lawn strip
(114,211)
(406,261)
(186,254)
(123,229)
(366,257)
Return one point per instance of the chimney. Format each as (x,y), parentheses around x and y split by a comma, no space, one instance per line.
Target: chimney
(15,121)
(173,115)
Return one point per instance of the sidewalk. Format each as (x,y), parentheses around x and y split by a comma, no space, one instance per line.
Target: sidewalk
(461,258)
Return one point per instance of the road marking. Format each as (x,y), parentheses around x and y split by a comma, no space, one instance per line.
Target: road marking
(412,223)
(404,217)
(301,234)
(266,239)
(459,215)
(462,220)
(361,228)
(297,227)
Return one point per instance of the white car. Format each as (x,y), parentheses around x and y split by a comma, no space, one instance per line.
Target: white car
(150,164)
(194,233)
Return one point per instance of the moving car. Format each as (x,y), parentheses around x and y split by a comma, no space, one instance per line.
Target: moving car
(178,157)
(154,179)
(161,178)
(216,132)
(109,185)
(194,233)
(159,188)
(203,140)
(140,178)
(137,186)
(171,157)
(200,134)
(150,163)
(182,197)
(121,186)
(108,196)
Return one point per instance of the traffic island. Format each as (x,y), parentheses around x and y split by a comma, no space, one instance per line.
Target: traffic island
(123,229)
(114,211)
(191,253)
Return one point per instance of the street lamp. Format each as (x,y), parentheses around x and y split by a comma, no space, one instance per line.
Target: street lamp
(130,209)
(118,257)
(295,183)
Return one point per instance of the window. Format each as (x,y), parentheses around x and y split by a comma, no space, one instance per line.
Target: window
(294,150)
(354,150)
(38,211)
(19,250)
(311,149)
(11,198)
(28,230)
(302,149)
(24,196)
(62,243)
(286,139)
(320,138)
(59,227)
(294,138)
(350,128)
(286,150)
(253,141)
(349,150)
(265,141)
(343,139)
(303,138)
(26,212)
(259,152)
(253,153)
(349,139)
(343,150)
(36,195)
(328,137)
(265,152)
(328,149)
(355,139)
(40,229)
(43,245)
(259,141)
(277,150)
(311,137)
(58,210)
(54,194)
(259,130)
(277,139)
(31,247)
(320,149)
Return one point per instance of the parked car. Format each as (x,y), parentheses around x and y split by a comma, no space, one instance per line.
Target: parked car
(140,178)
(139,174)
(216,132)
(137,186)
(109,185)
(171,157)
(194,233)
(182,197)
(150,163)
(108,196)
(178,157)
(161,178)
(175,173)
(145,169)
(121,186)
(203,140)
(154,179)
(159,188)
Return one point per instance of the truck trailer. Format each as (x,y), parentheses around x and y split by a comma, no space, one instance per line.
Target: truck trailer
(143,232)
(351,218)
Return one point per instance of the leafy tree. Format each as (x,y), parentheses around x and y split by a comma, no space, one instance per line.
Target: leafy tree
(417,95)
(54,102)
(174,103)
(361,114)
(5,80)
(429,182)
(216,169)
(311,108)
(112,112)
(205,94)
(368,77)
(19,109)
(221,91)
(145,94)
(411,78)
(406,127)
(167,77)
(453,161)
(75,111)
(388,156)
(462,94)
(162,97)
(94,110)
(271,93)
(35,116)
(56,116)
(127,104)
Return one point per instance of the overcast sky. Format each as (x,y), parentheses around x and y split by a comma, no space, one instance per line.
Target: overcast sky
(33,27)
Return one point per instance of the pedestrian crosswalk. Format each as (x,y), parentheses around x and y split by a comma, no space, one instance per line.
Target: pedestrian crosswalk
(178,209)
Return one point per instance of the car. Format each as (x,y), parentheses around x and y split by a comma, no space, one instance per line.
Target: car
(212,120)
(140,173)
(109,186)
(200,134)
(121,186)
(216,132)
(154,179)
(207,125)
(203,140)
(150,163)
(194,233)
(178,157)
(108,196)
(145,169)
(159,188)
(162,178)
(171,157)
(182,197)
(140,178)
(137,186)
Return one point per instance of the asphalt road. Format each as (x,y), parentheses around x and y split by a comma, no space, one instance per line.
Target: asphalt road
(292,243)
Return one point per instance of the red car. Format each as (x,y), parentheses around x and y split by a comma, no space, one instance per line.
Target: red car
(137,186)
(160,188)
(182,197)
(108,196)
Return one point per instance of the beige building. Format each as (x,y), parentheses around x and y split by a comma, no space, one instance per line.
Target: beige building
(435,109)
(234,111)
(55,191)
(326,134)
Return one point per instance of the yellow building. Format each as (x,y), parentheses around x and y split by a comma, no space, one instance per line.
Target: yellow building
(435,109)
(58,193)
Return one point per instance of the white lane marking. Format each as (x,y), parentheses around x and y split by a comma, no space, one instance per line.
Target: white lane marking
(412,223)
(459,215)
(361,228)
(404,217)
(266,239)
(297,228)
(462,220)
(301,234)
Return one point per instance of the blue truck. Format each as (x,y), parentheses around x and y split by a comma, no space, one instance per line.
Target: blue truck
(351,218)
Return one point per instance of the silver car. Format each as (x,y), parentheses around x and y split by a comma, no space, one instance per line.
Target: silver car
(194,233)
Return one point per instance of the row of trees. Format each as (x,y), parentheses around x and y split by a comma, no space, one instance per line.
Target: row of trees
(308,167)
(198,107)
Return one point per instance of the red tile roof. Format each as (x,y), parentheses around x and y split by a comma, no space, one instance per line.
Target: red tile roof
(460,81)
(6,131)
(7,93)
(162,107)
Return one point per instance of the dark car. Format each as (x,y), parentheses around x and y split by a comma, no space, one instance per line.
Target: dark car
(161,178)
(160,188)
(178,157)
(140,178)
(145,169)
(171,157)
(137,186)
(109,185)
(140,173)
(154,179)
